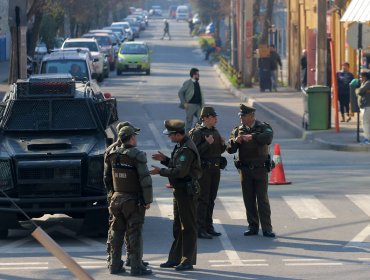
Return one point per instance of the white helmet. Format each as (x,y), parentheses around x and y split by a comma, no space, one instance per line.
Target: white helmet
(164,20)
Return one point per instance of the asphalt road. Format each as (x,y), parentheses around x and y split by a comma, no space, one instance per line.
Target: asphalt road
(321,219)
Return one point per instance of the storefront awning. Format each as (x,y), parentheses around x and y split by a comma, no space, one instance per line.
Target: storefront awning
(357,11)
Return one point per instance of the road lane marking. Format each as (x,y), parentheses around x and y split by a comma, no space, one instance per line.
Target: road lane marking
(234,206)
(310,262)
(24,263)
(308,207)
(24,268)
(361,201)
(226,244)
(358,240)
(165,205)
(158,136)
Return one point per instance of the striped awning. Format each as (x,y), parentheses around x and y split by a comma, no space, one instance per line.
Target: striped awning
(357,11)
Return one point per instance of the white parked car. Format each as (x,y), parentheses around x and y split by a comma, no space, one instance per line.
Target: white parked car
(95,50)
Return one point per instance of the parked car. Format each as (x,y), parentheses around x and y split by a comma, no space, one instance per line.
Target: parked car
(182,13)
(101,65)
(134,57)
(66,60)
(53,134)
(126,27)
(107,44)
(172,11)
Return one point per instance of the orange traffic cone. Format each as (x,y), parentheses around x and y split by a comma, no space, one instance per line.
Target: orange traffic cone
(277,175)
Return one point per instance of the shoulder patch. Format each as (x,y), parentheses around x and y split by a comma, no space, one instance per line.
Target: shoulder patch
(182,157)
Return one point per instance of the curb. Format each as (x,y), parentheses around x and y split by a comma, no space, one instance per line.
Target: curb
(294,128)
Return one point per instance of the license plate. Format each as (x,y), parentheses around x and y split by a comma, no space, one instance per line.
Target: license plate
(133,66)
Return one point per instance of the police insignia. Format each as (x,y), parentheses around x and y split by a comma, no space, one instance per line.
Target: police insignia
(182,158)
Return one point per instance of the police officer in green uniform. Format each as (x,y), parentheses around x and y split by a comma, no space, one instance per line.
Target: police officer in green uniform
(252,139)
(126,172)
(183,171)
(210,146)
(112,147)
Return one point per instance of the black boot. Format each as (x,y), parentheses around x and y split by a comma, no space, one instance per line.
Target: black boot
(141,270)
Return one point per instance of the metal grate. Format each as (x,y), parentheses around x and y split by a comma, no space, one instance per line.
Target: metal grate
(57,114)
(72,114)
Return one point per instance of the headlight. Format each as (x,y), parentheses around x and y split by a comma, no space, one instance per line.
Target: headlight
(121,60)
(144,59)
(95,173)
(6,181)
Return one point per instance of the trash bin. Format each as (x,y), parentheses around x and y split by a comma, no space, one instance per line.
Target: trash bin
(317,108)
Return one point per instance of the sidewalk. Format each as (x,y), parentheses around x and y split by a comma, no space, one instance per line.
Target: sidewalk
(287,107)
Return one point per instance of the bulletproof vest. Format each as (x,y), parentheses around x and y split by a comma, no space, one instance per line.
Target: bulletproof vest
(125,177)
(252,152)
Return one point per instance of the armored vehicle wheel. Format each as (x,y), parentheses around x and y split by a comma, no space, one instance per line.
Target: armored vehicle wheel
(4,233)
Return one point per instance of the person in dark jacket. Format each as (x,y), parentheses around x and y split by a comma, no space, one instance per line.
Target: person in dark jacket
(251,140)
(183,170)
(275,62)
(344,78)
(210,145)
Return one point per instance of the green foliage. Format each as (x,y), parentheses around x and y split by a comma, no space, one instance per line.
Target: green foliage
(49,29)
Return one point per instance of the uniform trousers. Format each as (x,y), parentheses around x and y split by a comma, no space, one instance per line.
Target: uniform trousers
(184,246)
(254,184)
(366,122)
(128,218)
(206,202)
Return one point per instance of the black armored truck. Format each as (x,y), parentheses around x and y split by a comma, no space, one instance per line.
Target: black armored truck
(53,134)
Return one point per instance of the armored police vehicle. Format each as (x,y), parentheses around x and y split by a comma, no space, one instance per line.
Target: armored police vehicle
(53,134)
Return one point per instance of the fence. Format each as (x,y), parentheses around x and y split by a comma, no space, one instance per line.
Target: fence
(231,72)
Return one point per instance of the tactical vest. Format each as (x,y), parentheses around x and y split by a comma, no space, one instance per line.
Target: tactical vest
(125,177)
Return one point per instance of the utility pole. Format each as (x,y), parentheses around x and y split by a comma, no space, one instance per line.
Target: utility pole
(248,43)
(321,44)
(234,35)
(18,29)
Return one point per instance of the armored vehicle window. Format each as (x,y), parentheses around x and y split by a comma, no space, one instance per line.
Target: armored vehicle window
(49,115)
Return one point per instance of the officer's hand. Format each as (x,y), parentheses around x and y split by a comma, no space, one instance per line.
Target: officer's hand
(159,156)
(239,139)
(247,137)
(147,206)
(209,139)
(155,170)
(186,105)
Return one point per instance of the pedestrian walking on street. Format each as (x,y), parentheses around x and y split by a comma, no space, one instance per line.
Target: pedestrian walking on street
(191,98)
(251,140)
(166,29)
(183,170)
(210,146)
(275,62)
(303,63)
(126,173)
(344,78)
(363,93)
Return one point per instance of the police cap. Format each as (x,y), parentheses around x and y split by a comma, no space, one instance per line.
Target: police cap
(127,131)
(208,111)
(122,124)
(244,110)
(173,126)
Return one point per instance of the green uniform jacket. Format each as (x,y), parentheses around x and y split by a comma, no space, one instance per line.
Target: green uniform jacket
(255,150)
(141,168)
(184,164)
(207,151)
(364,92)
